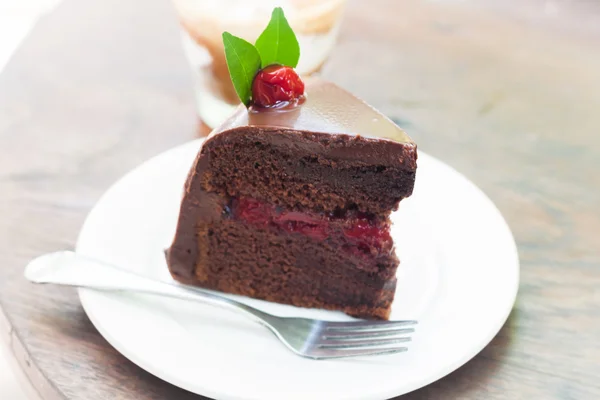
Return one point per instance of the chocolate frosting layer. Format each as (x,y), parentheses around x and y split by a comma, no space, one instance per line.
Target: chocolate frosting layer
(331,123)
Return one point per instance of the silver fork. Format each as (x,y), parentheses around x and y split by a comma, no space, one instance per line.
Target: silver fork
(310,338)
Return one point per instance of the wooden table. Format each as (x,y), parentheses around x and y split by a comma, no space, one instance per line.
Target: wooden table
(506,92)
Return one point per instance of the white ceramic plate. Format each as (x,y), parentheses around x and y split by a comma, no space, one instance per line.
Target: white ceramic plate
(458,276)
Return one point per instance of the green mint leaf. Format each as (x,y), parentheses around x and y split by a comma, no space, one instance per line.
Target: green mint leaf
(243,62)
(278,43)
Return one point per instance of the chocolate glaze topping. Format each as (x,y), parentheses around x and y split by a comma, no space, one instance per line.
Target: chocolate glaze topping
(332,123)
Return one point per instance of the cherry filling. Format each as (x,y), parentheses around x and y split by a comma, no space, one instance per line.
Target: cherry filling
(362,231)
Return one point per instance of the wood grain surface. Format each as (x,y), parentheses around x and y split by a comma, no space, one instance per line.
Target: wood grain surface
(506,92)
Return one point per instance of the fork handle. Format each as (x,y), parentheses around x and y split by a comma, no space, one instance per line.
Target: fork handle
(68,268)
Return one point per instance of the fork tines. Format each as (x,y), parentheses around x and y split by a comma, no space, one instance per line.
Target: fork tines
(364,337)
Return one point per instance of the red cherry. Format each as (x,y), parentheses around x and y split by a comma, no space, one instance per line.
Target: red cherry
(276,84)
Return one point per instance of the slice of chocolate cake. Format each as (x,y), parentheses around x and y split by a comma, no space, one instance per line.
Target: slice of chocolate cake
(292,205)
(289,200)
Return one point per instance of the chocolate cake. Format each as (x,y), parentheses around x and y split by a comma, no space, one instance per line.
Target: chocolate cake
(292,205)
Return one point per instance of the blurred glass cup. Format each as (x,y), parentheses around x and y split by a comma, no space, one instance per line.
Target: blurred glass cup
(315,22)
